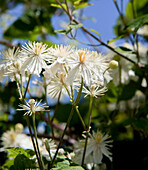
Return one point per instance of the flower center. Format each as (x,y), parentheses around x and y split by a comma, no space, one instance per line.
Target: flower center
(82,56)
(32,107)
(62,78)
(98,137)
(12,137)
(38,48)
(18,65)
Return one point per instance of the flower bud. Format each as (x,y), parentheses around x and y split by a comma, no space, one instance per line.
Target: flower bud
(19,127)
(113,64)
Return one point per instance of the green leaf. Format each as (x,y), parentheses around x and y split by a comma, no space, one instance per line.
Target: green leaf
(22,162)
(17,150)
(82,5)
(75,26)
(140,7)
(94,31)
(124,50)
(9,163)
(63,164)
(114,39)
(59,6)
(63,31)
(137,23)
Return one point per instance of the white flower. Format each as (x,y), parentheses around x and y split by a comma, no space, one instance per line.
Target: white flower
(8,64)
(57,57)
(94,90)
(34,55)
(14,138)
(32,106)
(57,85)
(9,57)
(98,145)
(59,53)
(88,64)
(49,147)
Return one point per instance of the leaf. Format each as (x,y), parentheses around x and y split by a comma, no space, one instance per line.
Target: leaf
(140,7)
(137,23)
(82,5)
(9,163)
(22,162)
(75,26)
(114,39)
(59,6)
(17,150)
(124,50)
(94,31)
(63,164)
(63,31)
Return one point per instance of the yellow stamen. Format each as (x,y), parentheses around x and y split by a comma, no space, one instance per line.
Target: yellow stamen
(38,48)
(12,136)
(82,56)
(98,137)
(62,78)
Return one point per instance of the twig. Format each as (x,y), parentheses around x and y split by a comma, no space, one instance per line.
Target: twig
(85,30)
(8,44)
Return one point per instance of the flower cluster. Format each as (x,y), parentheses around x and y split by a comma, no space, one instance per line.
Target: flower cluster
(62,67)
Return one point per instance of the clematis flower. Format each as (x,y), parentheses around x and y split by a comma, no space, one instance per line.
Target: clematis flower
(34,55)
(89,64)
(32,106)
(94,90)
(98,145)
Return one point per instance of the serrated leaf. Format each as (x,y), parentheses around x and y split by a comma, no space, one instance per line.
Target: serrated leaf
(94,31)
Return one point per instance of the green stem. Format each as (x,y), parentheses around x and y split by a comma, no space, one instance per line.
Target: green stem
(28,124)
(27,86)
(35,134)
(61,140)
(78,112)
(18,87)
(68,121)
(21,83)
(88,128)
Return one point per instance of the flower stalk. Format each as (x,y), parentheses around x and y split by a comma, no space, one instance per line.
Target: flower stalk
(88,129)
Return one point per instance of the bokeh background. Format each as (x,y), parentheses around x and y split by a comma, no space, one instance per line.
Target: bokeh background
(123,111)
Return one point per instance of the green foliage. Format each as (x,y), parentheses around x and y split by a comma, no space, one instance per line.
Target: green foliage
(22,159)
(65,165)
(137,23)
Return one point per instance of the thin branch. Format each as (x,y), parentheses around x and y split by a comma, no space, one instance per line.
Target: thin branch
(101,42)
(8,44)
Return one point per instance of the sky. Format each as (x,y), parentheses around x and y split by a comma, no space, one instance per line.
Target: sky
(103,12)
(105,15)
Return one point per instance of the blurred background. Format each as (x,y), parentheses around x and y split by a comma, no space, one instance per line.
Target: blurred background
(123,111)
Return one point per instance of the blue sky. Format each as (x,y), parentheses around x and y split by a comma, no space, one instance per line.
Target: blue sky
(103,11)
(105,14)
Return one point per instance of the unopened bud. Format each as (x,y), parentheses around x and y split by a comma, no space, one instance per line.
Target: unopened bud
(19,127)
(113,64)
